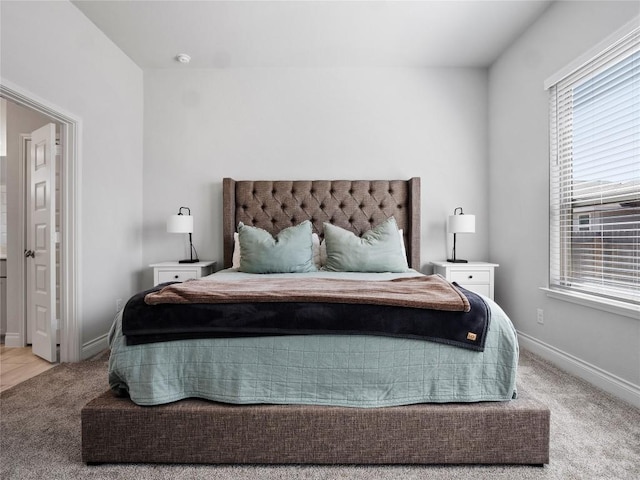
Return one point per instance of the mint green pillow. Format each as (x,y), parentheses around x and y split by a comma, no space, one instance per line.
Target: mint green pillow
(378,250)
(290,252)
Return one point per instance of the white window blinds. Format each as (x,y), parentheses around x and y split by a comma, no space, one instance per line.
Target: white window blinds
(595,175)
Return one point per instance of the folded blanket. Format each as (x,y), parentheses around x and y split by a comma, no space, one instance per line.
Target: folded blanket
(429,292)
(163,322)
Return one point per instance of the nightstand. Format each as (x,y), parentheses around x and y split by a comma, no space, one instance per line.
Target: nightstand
(179,272)
(475,276)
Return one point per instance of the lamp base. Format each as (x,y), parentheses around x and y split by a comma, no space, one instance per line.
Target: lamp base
(457,260)
(188,260)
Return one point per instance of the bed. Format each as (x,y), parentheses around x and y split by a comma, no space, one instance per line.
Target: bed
(420,419)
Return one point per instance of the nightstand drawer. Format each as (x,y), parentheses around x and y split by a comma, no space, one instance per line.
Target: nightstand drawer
(177,276)
(471,276)
(179,272)
(475,276)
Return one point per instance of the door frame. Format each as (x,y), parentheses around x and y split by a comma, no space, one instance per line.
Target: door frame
(70,216)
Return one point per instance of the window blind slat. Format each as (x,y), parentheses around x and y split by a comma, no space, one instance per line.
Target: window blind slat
(595,175)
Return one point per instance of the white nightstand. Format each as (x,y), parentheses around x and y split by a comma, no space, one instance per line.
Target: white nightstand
(179,272)
(475,276)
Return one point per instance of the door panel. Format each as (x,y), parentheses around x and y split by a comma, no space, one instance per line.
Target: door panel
(41,264)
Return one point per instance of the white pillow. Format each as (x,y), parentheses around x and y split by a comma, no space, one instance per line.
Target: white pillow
(323,253)
(235,260)
(315,241)
(404,249)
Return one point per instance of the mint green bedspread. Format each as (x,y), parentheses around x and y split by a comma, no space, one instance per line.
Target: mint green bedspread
(343,370)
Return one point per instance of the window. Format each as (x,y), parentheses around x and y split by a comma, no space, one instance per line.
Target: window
(595,175)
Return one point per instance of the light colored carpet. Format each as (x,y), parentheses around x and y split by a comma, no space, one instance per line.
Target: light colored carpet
(593,435)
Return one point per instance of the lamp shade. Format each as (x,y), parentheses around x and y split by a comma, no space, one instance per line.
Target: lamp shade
(180,224)
(461,224)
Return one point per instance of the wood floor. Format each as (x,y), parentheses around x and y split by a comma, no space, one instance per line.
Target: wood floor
(18,364)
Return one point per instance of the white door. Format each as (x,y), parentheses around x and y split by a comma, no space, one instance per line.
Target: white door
(41,252)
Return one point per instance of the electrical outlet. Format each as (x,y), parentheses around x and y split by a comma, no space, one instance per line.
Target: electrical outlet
(118,304)
(540,316)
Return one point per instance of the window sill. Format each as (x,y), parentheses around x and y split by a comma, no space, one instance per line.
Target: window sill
(611,306)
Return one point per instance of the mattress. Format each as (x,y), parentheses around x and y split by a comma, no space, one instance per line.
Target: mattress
(340,370)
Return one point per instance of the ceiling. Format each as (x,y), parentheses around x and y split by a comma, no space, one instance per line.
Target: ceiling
(247,34)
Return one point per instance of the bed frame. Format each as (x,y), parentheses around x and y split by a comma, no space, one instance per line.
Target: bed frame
(115,430)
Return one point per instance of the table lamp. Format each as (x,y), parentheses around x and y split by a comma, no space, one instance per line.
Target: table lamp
(460,223)
(181,223)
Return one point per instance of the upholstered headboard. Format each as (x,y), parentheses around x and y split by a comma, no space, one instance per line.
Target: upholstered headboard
(356,205)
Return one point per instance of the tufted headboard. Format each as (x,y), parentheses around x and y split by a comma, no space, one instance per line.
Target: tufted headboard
(356,205)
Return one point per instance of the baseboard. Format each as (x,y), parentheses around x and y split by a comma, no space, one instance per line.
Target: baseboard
(95,346)
(602,379)
(12,340)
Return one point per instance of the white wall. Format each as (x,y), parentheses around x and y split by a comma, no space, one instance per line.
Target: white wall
(297,123)
(600,346)
(52,51)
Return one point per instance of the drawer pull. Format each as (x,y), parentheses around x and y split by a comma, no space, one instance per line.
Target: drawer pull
(176,276)
(470,276)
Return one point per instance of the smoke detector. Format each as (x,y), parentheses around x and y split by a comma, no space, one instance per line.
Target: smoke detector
(183,58)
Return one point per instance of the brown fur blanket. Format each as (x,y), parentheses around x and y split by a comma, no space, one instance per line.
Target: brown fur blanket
(428,292)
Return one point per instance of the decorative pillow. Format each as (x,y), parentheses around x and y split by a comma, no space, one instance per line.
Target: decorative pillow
(317,258)
(290,252)
(378,250)
(321,256)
